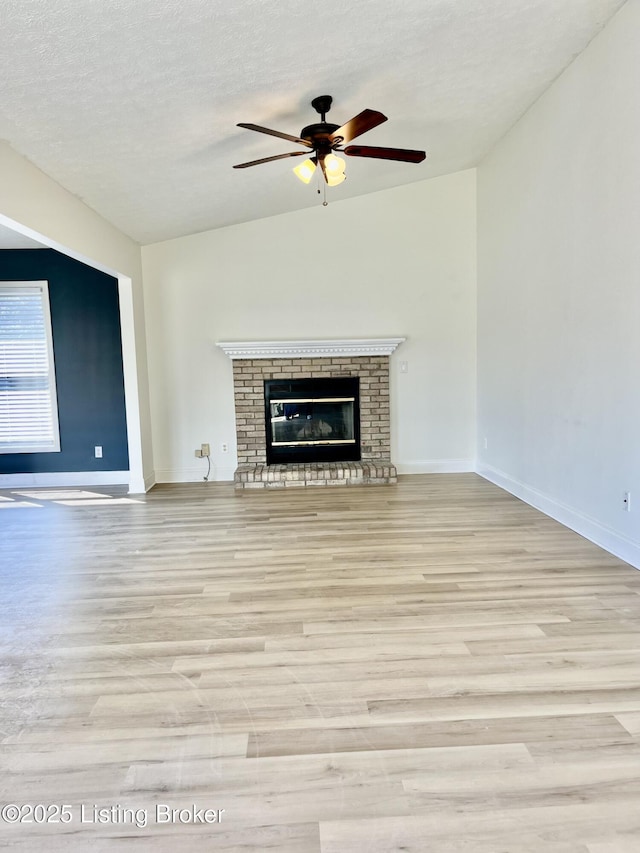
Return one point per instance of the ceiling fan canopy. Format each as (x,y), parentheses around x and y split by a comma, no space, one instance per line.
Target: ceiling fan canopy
(322,140)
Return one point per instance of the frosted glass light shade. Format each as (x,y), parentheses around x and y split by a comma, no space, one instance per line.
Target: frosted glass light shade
(334,165)
(334,170)
(334,180)
(305,171)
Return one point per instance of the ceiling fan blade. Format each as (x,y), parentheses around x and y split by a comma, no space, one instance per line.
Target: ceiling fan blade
(405,154)
(277,133)
(269,159)
(364,121)
(324,169)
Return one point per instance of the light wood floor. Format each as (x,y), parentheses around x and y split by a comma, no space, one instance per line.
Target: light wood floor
(432,666)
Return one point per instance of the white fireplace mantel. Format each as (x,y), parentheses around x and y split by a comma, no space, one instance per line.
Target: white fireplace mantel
(310,349)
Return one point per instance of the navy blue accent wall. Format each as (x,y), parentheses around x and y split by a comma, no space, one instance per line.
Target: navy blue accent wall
(87,346)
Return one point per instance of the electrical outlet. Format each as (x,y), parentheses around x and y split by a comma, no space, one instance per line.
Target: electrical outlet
(205,450)
(404,367)
(626,501)
(486,444)
(198,454)
(98,451)
(224,447)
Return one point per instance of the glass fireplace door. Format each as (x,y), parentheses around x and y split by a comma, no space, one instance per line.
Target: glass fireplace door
(309,421)
(312,420)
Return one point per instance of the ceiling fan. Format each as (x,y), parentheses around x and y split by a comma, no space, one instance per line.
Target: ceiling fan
(323,139)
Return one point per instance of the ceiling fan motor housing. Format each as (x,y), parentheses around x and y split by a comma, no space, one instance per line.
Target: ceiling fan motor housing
(320,133)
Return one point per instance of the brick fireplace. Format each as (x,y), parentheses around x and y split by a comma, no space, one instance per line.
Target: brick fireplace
(256,362)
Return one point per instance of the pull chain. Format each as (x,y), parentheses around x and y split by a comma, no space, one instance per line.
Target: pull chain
(322,181)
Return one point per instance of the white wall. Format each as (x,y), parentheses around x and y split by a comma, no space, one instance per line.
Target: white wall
(559,296)
(36,205)
(395,263)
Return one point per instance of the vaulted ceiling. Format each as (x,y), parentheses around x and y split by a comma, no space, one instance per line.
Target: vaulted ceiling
(133,106)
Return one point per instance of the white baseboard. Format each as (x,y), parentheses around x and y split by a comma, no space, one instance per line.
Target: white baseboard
(437,466)
(150,481)
(141,485)
(599,534)
(194,475)
(65,478)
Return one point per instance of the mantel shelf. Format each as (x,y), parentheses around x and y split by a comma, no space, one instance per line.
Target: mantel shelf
(311,348)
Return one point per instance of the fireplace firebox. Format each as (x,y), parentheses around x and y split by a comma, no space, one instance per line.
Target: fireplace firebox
(312,420)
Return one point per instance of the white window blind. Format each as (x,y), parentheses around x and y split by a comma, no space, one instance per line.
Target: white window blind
(28,400)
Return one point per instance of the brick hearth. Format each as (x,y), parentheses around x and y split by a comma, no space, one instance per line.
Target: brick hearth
(315,474)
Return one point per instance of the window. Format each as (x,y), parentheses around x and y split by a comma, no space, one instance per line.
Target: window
(28,402)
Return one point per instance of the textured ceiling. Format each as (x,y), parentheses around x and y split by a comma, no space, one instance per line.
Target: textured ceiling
(132,104)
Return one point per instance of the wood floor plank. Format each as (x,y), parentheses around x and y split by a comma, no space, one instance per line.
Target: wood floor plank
(432,734)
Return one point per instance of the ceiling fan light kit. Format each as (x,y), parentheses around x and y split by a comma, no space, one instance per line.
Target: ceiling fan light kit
(325,139)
